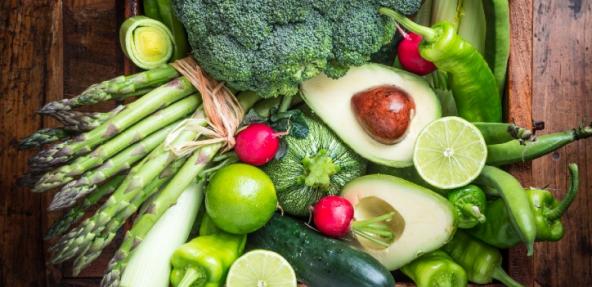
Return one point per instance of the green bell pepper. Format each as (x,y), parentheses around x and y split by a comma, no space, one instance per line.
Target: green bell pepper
(435,269)
(482,262)
(205,260)
(499,231)
(472,82)
(469,203)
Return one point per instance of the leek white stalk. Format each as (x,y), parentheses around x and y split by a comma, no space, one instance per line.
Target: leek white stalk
(149,265)
(147,42)
(473,26)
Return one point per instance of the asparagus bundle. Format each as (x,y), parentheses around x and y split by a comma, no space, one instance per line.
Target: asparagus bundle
(163,139)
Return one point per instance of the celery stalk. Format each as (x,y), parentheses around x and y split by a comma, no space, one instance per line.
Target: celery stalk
(473,25)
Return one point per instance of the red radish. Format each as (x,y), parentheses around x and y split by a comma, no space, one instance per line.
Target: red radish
(409,56)
(333,216)
(257,144)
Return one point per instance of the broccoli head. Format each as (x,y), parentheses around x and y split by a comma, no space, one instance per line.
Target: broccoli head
(271,46)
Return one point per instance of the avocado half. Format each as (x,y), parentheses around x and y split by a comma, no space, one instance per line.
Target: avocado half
(423,221)
(330,99)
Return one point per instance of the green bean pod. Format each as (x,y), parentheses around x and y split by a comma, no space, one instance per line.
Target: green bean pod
(497,133)
(515,151)
(472,83)
(516,200)
(497,39)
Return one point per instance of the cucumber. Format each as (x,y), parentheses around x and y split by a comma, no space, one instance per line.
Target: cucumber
(317,260)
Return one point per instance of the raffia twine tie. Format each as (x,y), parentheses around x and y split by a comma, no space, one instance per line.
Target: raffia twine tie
(216,123)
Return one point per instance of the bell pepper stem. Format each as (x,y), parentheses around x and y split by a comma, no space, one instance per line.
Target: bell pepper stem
(558,211)
(473,211)
(501,275)
(191,276)
(427,33)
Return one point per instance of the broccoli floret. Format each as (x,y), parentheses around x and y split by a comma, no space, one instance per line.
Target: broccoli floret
(271,46)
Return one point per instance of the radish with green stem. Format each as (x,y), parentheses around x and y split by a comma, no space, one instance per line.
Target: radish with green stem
(257,144)
(409,57)
(333,216)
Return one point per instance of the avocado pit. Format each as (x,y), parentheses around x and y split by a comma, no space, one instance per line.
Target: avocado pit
(384,112)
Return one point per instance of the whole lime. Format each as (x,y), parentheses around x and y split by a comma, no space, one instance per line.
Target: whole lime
(240,198)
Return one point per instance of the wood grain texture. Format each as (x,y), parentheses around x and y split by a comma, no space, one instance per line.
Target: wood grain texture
(562,97)
(54,49)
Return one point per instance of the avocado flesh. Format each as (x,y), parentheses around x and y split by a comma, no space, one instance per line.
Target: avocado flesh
(330,99)
(424,221)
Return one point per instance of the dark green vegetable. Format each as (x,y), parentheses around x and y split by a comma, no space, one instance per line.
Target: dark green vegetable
(469,205)
(270,47)
(514,151)
(162,11)
(498,230)
(317,260)
(436,269)
(151,9)
(313,167)
(497,133)
(472,83)
(481,261)
(497,39)
(516,201)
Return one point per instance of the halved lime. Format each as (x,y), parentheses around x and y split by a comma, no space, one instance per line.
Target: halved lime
(261,268)
(450,152)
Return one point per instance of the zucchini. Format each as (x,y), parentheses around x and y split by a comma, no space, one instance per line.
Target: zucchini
(317,260)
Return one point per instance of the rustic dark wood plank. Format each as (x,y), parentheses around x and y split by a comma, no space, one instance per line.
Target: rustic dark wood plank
(25,35)
(562,77)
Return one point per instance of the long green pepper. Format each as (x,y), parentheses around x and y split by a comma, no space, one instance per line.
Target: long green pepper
(499,231)
(472,82)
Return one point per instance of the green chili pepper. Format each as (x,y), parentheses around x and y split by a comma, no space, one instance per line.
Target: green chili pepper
(205,260)
(435,269)
(499,231)
(516,201)
(472,82)
(481,261)
(162,10)
(469,203)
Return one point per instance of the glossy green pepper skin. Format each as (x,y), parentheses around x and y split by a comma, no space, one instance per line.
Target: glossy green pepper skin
(499,231)
(469,204)
(435,269)
(205,260)
(472,82)
(481,262)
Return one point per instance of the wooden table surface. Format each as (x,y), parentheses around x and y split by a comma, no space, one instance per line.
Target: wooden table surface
(54,49)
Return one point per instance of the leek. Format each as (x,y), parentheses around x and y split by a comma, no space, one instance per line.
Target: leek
(149,265)
(147,42)
(473,26)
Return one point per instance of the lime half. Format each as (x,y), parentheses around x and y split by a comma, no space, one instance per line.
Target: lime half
(450,152)
(261,268)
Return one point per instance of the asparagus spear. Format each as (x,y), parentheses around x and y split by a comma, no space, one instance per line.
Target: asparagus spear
(160,97)
(137,132)
(165,199)
(105,237)
(117,88)
(43,136)
(76,241)
(84,121)
(89,181)
(73,215)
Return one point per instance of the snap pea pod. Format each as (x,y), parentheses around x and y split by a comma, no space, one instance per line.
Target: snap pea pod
(481,261)
(497,133)
(515,151)
(497,38)
(472,83)
(516,200)
(498,230)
